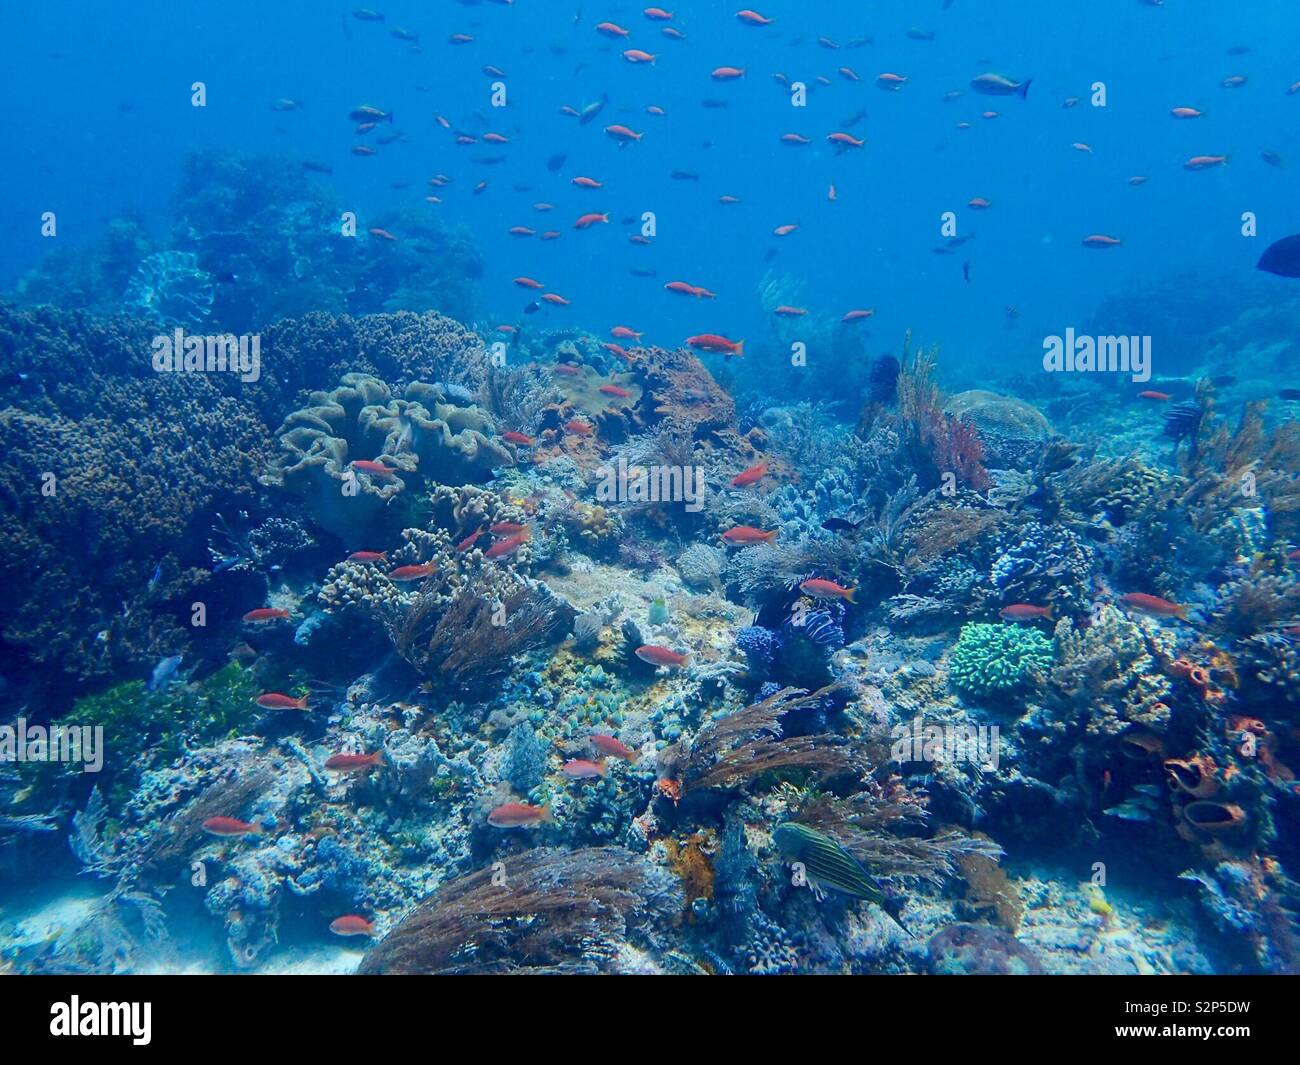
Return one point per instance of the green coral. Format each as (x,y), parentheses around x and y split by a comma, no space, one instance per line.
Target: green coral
(144,728)
(994,660)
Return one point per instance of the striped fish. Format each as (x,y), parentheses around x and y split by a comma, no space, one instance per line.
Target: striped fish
(828,865)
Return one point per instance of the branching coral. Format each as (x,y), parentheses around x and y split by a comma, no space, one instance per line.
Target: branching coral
(543,911)
(747,743)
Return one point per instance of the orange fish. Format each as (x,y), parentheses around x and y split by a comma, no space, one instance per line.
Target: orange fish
(750,476)
(528,282)
(753,18)
(507,528)
(790,312)
(521,231)
(496,138)
(368,556)
(858,315)
(622,332)
(351,763)
(658,14)
(824,589)
(1101,240)
(377,468)
(511,437)
(556,299)
(518,815)
(979,203)
(785,230)
(231,826)
(551,234)
(727,73)
(1153,605)
(352,925)
(611,29)
(608,745)
(578,427)
(566,369)
(469,541)
(615,391)
(280,701)
(382,234)
(413,573)
(587,183)
(1186,112)
(716,343)
(590,220)
(267,613)
(796,139)
(635,55)
(831,194)
(615,349)
(661,656)
(747,534)
(1204,162)
(1151,393)
(582,769)
(622,133)
(507,547)
(891,82)
(1024,612)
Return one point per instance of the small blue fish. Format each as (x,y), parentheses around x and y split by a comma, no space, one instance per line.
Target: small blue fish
(163,672)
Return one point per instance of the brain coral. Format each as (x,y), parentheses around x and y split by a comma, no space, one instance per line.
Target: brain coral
(1012,430)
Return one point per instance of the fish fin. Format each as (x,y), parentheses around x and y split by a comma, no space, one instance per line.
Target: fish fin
(1023,91)
(740,348)
(769,537)
(603,768)
(851,594)
(547,815)
(1049,615)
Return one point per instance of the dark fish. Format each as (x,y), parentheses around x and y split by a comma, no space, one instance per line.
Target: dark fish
(713,105)
(555,162)
(1271,158)
(918,34)
(532,308)
(997,85)
(317,168)
(1289,393)
(1182,419)
(827,864)
(965,271)
(853,119)
(1282,257)
(841,524)
(684,175)
(640,271)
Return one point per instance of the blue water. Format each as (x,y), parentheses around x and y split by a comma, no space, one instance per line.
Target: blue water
(76,150)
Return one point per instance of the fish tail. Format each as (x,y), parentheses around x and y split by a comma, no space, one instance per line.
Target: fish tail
(769,537)
(740,348)
(602,768)
(850,595)
(547,815)
(1048,613)
(1023,91)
